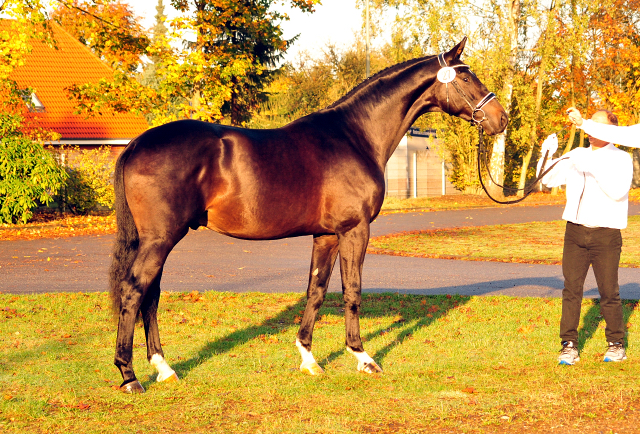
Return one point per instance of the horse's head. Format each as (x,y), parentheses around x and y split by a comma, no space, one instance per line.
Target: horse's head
(461,93)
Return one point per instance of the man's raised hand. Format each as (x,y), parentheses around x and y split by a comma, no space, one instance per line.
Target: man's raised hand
(550,144)
(574,116)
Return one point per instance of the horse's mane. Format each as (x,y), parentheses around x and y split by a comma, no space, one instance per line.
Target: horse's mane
(377,76)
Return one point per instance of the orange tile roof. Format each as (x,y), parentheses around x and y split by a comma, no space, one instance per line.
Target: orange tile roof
(49,71)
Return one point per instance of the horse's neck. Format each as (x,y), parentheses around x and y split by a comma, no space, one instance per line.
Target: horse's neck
(381,111)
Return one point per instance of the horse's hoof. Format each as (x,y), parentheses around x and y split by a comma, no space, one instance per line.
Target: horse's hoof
(311,369)
(370,368)
(170,379)
(132,387)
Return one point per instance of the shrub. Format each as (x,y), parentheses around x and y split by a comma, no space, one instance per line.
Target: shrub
(88,184)
(29,175)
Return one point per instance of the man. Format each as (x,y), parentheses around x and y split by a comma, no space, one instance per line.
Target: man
(626,136)
(598,180)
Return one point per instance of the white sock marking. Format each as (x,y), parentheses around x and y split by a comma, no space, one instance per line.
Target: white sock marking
(307,357)
(163,368)
(363,357)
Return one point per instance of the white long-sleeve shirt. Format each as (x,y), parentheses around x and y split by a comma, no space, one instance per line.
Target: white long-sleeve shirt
(598,182)
(625,136)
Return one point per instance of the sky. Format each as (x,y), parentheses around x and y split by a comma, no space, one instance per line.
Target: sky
(334,21)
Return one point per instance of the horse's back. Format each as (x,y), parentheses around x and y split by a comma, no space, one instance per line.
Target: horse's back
(256,184)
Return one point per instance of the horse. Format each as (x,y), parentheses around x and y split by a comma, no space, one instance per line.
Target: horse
(320,175)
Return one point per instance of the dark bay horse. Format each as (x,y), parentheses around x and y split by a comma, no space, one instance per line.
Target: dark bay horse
(321,175)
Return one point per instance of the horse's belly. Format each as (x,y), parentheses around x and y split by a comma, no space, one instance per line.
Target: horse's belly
(268,226)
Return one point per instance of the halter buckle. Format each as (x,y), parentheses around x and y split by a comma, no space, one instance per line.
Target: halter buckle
(473,116)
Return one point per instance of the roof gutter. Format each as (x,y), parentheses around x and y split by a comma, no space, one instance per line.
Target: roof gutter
(89,142)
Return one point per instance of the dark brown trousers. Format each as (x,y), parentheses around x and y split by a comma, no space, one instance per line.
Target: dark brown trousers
(599,247)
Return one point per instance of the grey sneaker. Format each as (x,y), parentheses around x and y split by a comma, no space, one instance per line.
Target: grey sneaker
(568,354)
(615,352)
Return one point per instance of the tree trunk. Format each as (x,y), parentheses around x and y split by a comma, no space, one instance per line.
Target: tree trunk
(496,165)
(533,137)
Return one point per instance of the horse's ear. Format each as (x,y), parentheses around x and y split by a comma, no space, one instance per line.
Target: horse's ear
(455,52)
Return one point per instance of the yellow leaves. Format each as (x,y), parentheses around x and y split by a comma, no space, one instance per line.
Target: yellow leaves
(14,46)
(526,329)
(51,226)
(269,339)
(193,296)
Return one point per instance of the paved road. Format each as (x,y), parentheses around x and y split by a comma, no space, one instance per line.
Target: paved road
(205,260)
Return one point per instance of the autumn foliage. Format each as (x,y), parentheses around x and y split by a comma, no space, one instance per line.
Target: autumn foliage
(29,175)
(217,75)
(108,28)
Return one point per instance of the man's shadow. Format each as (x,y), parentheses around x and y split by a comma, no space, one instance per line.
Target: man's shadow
(593,317)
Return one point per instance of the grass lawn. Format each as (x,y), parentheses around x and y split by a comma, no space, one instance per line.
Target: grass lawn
(535,243)
(459,201)
(452,364)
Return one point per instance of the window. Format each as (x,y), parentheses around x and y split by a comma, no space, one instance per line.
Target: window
(34,103)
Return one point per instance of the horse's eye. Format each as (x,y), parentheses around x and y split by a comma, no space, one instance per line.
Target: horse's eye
(466,79)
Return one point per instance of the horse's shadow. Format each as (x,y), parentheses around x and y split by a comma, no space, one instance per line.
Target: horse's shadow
(409,321)
(283,320)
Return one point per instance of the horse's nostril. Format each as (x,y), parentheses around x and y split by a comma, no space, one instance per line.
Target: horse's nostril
(504,120)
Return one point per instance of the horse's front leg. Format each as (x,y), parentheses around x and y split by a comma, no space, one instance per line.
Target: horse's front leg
(353,247)
(325,250)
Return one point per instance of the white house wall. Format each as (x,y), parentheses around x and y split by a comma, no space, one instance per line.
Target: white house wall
(428,162)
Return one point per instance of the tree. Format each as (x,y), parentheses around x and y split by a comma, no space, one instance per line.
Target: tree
(108,27)
(311,84)
(219,76)
(29,175)
(509,40)
(546,46)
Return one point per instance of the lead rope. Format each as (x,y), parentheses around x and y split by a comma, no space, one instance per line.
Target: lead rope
(482,156)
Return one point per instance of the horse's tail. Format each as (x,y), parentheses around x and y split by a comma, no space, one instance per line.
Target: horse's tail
(127,241)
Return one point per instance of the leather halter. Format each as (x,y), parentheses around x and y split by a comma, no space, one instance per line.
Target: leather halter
(478,107)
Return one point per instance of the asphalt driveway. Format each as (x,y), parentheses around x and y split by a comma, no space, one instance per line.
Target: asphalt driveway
(205,260)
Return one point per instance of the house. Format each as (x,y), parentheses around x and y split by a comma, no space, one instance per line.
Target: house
(48,71)
(417,167)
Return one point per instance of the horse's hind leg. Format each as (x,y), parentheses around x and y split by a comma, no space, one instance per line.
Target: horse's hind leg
(325,250)
(353,247)
(145,270)
(149,310)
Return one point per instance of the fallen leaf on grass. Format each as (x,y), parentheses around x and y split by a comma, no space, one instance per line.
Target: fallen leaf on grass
(469,390)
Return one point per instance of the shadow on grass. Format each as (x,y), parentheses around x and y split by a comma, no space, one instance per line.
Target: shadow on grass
(593,318)
(283,320)
(412,316)
(382,305)
(410,321)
